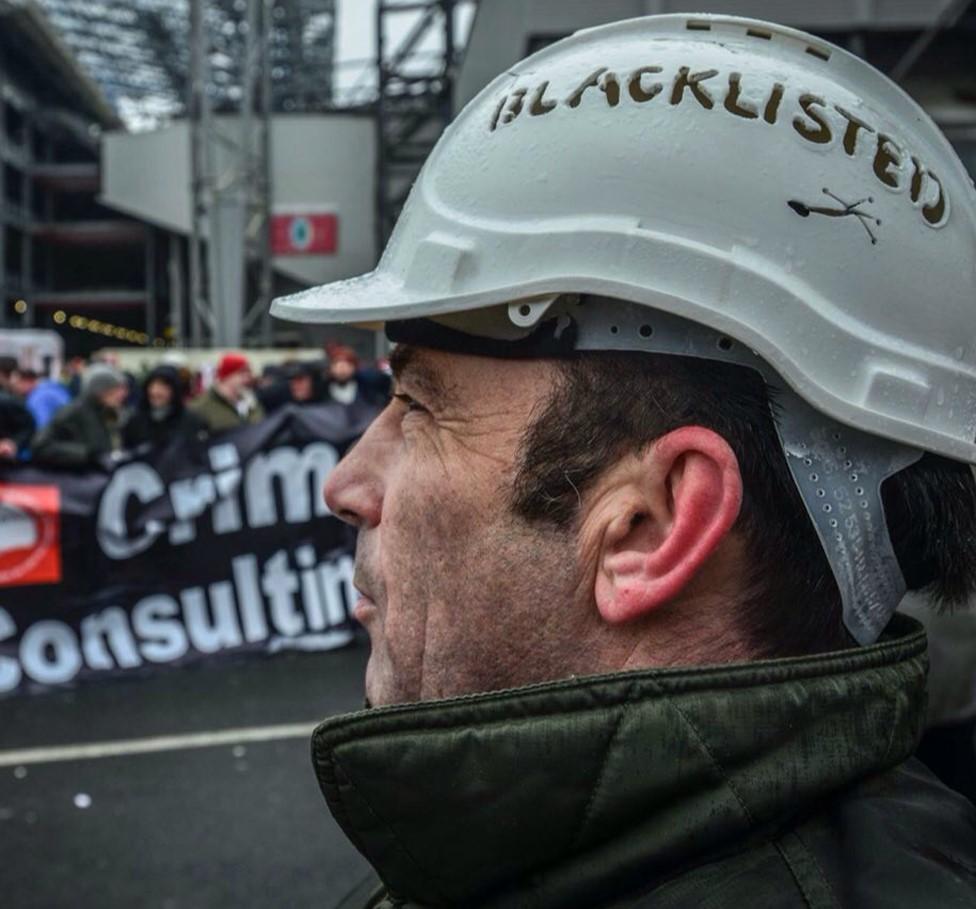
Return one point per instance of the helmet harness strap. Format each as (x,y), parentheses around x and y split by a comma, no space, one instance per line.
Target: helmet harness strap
(838,470)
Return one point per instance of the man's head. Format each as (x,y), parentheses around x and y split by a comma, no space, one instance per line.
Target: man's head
(23,382)
(159,393)
(233,376)
(301,382)
(528,520)
(343,364)
(76,366)
(106,386)
(8,366)
(563,185)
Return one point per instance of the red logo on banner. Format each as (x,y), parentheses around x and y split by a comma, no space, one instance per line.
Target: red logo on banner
(304,234)
(30,535)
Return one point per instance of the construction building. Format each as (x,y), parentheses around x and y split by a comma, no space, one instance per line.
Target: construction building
(110,229)
(95,143)
(61,252)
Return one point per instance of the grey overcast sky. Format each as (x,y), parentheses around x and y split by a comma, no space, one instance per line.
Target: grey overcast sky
(356,29)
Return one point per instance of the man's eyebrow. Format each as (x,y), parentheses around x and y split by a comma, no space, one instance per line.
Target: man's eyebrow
(408,367)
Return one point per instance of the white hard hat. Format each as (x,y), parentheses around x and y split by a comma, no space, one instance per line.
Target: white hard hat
(739,177)
(745,175)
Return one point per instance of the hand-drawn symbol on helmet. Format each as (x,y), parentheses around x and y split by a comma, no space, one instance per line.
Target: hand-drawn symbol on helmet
(850,208)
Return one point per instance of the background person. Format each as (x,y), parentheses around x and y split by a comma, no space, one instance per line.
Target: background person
(342,382)
(361,392)
(162,417)
(16,423)
(8,366)
(304,383)
(74,371)
(230,401)
(89,428)
(45,399)
(23,382)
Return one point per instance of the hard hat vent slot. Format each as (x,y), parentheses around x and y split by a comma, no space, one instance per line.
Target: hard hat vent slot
(759,33)
(696,25)
(818,52)
(645,331)
(724,343)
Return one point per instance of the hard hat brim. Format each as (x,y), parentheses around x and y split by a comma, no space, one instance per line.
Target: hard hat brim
(375,297)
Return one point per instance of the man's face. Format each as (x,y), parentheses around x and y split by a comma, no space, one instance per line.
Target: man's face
(342,370)
(237,382)
(23,385)
(159,394)
(459,594)
(115,397)
(301,387)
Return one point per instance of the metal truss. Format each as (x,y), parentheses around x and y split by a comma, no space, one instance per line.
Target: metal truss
(230,243)
(415,84)
(140,52)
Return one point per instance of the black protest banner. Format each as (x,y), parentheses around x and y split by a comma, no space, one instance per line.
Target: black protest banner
(204,548)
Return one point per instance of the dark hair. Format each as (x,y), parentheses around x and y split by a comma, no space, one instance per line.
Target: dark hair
(606,405)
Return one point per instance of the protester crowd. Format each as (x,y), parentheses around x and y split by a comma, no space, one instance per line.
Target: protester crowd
(95,411)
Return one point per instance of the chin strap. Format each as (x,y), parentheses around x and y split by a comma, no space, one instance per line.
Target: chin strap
(838,470)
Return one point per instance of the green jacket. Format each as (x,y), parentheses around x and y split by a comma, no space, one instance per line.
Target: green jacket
(749,786)
(78,435)
(220,414)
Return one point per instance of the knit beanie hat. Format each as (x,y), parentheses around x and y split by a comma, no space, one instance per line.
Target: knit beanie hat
(339,352)
(99,378)
(231,363)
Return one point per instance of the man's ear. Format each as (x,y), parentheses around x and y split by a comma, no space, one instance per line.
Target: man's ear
(672,512)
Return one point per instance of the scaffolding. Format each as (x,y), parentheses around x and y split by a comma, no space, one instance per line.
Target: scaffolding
(140,52)
(415,94)
(230,238)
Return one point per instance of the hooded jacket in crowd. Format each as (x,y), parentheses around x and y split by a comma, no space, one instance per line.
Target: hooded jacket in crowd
(158,427)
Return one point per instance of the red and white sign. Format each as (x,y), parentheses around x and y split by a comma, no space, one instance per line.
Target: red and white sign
(304,233)
(30,535)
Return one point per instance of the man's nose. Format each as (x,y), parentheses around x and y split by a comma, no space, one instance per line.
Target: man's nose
(354,490)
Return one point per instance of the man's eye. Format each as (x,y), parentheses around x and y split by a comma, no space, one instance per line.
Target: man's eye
(409,403)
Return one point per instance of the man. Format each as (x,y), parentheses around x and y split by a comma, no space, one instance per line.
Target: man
(16,423)
(343,385)
(73,373)
(271,387)
(44,398)
(89,429)
(229,402)
(624,556)
(161,418)
(304,383)
(8,366)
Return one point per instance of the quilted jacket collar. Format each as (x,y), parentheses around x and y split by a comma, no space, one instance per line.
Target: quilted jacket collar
(558,794)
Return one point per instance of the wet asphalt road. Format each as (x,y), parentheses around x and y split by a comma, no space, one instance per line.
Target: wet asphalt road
(240,825)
